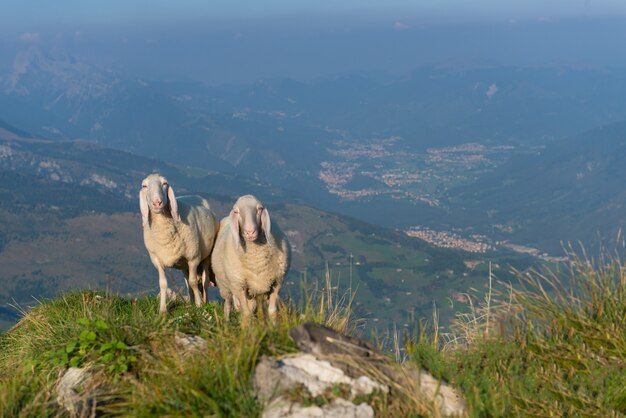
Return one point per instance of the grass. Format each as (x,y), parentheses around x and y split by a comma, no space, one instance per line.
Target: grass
(555,346)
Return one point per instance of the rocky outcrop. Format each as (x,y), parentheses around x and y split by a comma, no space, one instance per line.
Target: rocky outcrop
(75,392)
(189,343)
(338,408)
(274,380)
(343,373)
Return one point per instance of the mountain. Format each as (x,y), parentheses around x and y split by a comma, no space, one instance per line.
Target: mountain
(351,144)
(58,96)
(570,191)
(442,106)
(69,220)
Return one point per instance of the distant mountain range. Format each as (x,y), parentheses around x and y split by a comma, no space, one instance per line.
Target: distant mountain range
(281,129)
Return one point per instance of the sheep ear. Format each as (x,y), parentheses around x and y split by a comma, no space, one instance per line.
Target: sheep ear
(171,197)
(143,205)
(234,225)
(266,224)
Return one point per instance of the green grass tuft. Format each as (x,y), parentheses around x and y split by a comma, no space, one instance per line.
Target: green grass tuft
(554,347)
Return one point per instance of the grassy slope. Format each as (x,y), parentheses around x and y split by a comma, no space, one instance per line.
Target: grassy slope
(551,353)
(548,349)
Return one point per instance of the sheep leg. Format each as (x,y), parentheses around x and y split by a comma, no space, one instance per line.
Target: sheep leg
(252,304)
(203,286)
(271,305)
(228,303)
(194,282)
(162,284)
(189,293)
(206,279)
(240,294)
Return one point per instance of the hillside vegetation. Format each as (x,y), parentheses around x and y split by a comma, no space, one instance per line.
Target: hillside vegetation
(570,191)
(537,351)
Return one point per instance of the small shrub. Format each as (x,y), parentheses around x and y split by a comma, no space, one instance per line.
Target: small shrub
(94,345)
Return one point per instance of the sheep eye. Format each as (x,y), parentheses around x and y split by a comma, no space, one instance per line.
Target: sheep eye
(165,184)
(144,186)
(260,210)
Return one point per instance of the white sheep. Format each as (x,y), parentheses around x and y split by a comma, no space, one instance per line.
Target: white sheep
(178,232)
(250,258)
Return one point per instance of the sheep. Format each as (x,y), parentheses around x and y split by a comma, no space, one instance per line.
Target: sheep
(177,232)
(249,260)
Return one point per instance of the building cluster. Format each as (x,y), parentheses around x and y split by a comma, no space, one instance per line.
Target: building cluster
(403,175)
(445,239)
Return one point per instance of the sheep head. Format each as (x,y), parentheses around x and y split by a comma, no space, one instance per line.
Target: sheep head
(157,196)
(246,216)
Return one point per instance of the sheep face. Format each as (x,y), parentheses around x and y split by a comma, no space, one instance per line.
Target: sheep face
(157,196)
(247,215)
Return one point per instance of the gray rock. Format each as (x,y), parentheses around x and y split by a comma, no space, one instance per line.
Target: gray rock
(320,340)
(353,355)
(445,398)
(319,375)
(268,381)
(338,408)
(74,392)
(190,343)
(274,377)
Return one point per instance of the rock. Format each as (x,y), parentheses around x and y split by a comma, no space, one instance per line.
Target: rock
(320,340)
(273,377)
(353,356)
(267,380)
(338,408)
(346,353)
(445,397)
(190,343)
(74,392)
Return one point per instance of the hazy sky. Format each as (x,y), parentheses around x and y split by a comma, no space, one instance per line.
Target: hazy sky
(20,13)
(240,41)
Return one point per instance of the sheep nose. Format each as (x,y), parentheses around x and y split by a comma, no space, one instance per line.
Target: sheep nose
(250,231)
(157,202)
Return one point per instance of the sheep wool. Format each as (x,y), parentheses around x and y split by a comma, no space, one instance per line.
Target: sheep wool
(251,258)
(179,233)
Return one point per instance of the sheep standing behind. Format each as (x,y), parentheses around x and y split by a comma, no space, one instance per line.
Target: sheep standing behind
(250,258)
(178,232)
